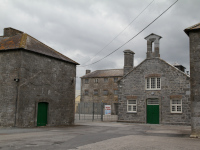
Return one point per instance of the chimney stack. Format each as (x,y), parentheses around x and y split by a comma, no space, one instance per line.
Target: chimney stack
(128,60)
(88,71)
(8,32)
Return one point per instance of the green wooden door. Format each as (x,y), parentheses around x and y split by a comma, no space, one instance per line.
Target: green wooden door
(42,114)
(153,111)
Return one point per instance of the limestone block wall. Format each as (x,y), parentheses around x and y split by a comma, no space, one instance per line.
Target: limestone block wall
(9,69)
(174,84)
(42,79)
(195,81)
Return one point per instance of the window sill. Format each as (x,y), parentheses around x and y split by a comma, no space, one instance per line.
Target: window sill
(131,112)
(153,89)
(177,113)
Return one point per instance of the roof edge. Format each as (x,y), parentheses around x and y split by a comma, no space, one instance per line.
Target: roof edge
(187,30)
(153,58)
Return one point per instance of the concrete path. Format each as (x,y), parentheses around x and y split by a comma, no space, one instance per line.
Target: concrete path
(99,136)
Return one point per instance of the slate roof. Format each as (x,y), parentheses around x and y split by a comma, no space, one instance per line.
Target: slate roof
(194,27)
(27,42)
(105,73)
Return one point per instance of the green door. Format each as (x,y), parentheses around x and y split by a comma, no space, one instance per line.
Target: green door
(153,111)
(42,114)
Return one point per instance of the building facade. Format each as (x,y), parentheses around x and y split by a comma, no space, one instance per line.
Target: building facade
(37,83)
(194,36)
(101,86)
(154,92)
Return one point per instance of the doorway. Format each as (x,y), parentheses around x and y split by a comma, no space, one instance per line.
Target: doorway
(153,111)
(42,114)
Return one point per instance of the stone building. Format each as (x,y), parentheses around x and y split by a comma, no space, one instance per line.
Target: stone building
(101,86)
(154,91)
(37,83)
(194,36)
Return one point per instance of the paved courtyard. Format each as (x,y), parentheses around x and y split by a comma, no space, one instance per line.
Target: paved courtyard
(99,136)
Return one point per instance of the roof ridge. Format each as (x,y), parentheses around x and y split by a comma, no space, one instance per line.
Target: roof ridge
(175,67)
(109,69)
(51,48)
(23,41)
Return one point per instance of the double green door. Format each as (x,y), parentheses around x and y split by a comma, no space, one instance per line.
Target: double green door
(42,114)
(153,111)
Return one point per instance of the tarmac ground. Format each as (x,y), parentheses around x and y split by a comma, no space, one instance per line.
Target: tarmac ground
(99,136)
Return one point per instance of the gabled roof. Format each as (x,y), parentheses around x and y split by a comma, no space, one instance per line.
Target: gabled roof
(153,58)
(154,35)
(194,27)
(27,42)
(105,73)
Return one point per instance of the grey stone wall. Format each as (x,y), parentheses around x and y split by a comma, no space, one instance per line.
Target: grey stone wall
(110,99)
(9,69)
(42,79)
(173,84)
(195,81)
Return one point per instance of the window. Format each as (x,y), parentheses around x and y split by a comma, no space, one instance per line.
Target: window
(95,80)
(86,92)
(153,83)
(95,92)
(176,106)
(105,80)
(131,106)
(105,92)
(115,79)
(116,92)
(86,81)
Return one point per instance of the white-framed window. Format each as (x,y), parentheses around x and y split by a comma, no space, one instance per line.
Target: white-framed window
(176,106)
(153,83)
(131,105)
(95,80)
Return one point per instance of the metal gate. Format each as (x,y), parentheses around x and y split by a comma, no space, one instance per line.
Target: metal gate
(89,111)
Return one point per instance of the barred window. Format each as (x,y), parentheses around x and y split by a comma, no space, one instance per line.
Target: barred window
(105,92)
(86,92)
(153,83)
(105,80)
(115,79)
(176,106)
(116,92)
(86,81)
(95,80)
(95,92)
(131,105)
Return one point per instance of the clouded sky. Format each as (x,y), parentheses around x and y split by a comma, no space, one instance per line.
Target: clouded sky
(81,28)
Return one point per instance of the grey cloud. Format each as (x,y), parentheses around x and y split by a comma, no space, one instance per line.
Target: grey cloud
(79,29)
